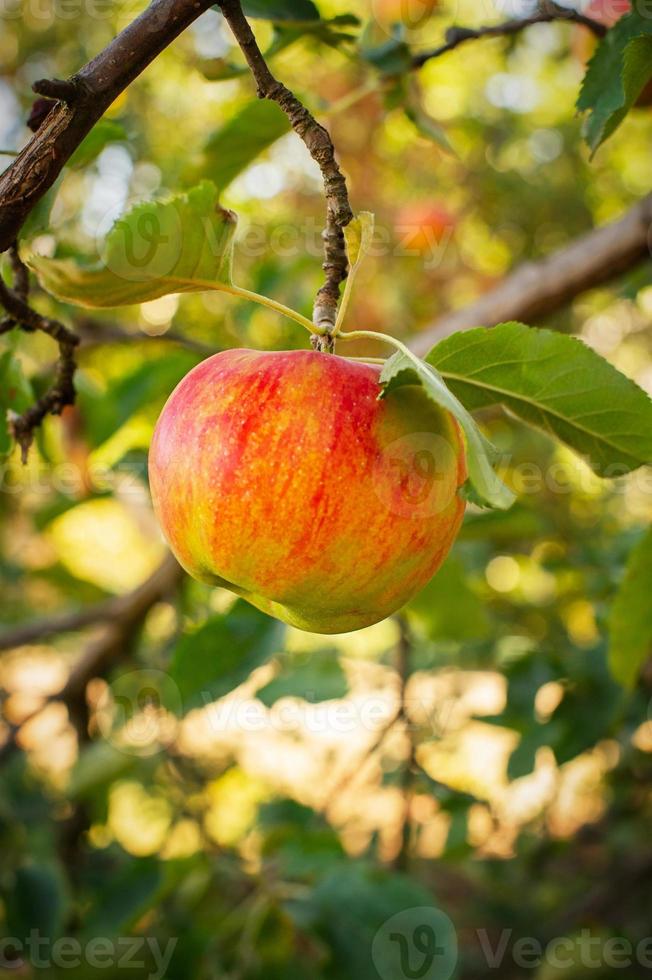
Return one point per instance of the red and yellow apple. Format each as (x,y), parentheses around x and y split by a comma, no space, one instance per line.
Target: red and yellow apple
(423,226)
(285,478)
(409,12)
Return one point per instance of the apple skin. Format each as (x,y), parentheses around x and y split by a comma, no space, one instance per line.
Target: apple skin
(275,475)
(422,226)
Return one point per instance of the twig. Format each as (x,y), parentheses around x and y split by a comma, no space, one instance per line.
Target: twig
(60,89)
(94,333)
(345,779)
(96,85)
(404,669)
(455,36)
(536,289)
(320,147)
(62,391)
(127,615)
(26,633)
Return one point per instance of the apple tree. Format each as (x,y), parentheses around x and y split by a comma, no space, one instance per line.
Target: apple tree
(370,285)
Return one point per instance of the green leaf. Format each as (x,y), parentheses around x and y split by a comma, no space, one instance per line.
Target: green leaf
(98,765)
(105,412)
(129,892)
(361,912)
(618,72)
(332,32)
(556,384)
(447,608)
(281,10)
(222,653)
(320,678)
(37,901)
(15,396)
(358,235)
(104,132)
(630,620)
(181,245)
(390,56)
(406,368)
(233,147)
(424,122)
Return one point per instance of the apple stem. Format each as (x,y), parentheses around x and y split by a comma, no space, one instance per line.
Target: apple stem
(372,335)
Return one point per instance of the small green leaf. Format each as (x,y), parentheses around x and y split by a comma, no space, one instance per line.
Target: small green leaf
(233,147)
(554,383)
(358,235)
(184,244)
(15,396)
(281,10)
(617,73)
(424,122)
(407,368)
(222,653)
(630,621)
(104,132)
(389,55)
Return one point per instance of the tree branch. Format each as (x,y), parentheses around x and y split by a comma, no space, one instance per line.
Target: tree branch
(404,670)
(321,149)
(455,36)
(125,615)
(62,391)
(96,333)
(536,289)
(87,95)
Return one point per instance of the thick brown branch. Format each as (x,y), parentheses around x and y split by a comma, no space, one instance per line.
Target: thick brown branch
(95,87)
(455,36)
(536,289)
(320,147)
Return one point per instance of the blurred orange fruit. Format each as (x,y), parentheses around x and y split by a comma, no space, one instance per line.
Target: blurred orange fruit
(410,12)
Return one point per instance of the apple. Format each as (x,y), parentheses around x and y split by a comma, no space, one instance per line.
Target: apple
(607,12)
(410,12)
(423,226)
(285,478)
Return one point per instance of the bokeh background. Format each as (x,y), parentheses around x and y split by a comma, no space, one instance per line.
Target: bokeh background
(266,797)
